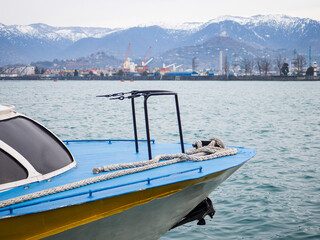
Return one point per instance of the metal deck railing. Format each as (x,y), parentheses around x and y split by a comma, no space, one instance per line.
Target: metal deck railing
(106,140)
(146,94)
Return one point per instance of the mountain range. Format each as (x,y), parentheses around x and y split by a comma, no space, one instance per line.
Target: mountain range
(261,35)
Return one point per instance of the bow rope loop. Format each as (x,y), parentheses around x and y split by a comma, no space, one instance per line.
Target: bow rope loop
(202,151)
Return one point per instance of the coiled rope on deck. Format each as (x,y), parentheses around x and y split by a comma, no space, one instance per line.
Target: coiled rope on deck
(214,149)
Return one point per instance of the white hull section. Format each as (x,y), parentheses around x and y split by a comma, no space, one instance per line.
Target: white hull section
(147,221)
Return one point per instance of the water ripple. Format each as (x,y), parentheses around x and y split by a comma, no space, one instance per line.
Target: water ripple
(276,195)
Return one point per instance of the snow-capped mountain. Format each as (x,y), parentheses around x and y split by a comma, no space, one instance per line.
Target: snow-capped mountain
(273,32)
(275,20)
(43,31)
(189,27)
(25,43)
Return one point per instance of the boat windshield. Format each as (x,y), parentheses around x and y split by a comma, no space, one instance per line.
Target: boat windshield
(35,143)
(10,169)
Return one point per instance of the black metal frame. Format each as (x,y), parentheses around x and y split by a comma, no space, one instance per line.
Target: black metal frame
(146,94)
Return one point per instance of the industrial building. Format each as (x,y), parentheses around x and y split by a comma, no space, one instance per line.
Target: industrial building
(21,70)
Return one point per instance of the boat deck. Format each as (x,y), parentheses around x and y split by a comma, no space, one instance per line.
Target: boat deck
(90,154)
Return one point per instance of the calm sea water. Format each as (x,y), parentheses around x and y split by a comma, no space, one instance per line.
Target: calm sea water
(276,195)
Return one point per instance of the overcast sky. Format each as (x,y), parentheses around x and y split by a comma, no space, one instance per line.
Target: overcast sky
(125,13)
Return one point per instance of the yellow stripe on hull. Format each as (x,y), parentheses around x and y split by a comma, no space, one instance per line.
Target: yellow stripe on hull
(44,224)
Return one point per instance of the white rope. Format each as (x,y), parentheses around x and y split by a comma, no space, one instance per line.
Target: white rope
(214,149)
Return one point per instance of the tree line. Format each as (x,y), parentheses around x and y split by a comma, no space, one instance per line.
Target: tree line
(263,65)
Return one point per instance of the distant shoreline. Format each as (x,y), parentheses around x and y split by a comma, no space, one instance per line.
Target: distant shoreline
(170,78)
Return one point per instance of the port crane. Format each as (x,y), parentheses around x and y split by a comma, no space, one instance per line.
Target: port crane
(127,56)
(164,65)
(146,61)
(174,67)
